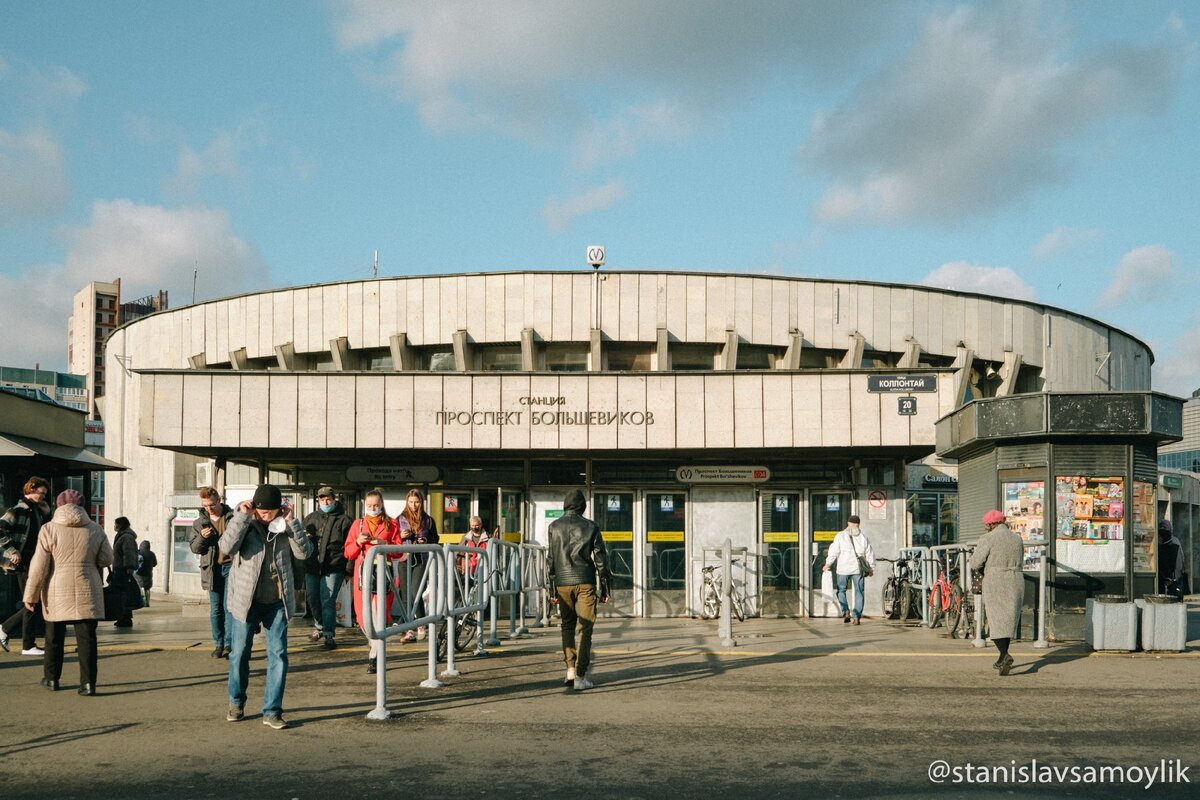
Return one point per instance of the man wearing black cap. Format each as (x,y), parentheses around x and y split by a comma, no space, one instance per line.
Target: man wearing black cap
(577,558)
(262,590)
(327,528)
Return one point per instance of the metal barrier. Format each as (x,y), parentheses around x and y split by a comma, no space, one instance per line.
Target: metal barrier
(378,580)
(918,578)
(466,593)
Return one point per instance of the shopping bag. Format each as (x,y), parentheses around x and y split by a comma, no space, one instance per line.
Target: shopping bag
(345,605)
(827,601)
(114,602)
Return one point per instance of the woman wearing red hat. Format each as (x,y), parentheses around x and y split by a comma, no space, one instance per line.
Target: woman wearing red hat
(999,554)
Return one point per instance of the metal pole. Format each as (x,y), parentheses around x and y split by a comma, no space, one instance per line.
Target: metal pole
(493,640)
(979,611)
(433,569)
(451,623)
(369,615)
(1041,642)
(521,632)
(725,626)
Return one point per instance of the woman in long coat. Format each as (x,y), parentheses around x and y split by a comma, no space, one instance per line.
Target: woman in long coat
(373,528)
(64,577)
(1000,553)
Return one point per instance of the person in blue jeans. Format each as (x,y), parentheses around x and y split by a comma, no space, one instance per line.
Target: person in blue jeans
(845,551)
(214,565)
(327,528)
(262,538)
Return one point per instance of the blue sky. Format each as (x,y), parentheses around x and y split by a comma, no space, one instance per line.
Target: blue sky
(1044,150)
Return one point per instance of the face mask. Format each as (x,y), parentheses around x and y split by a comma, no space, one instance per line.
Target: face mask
(377,512)
(326,507)
(277,525)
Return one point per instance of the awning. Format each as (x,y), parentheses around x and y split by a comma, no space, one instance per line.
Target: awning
(66,457)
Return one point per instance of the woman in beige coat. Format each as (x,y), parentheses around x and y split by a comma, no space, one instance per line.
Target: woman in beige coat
(64,577)
(1000,553)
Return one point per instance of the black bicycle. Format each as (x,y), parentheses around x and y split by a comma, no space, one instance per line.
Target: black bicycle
(901,599)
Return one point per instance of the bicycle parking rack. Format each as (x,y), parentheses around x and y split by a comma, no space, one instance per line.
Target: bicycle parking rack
(378,578)
(462,587)
(504,581)
(919,577)
(535,572)
(726,555)
(962,555)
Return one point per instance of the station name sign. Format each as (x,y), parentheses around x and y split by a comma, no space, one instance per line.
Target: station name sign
(389,474)
(537,410)
(710,474)
(901,384)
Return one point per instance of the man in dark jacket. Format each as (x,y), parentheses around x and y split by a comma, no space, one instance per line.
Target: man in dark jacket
(1170,561)
(326,528)
(577,558)
(125,561)
(19,527)
(214,565)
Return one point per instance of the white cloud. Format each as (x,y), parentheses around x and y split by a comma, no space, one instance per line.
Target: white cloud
(148,247)
(995,281)
(978,114)
(523,66)
(559,215)
(1061,239)
(220,157)
(1176,369)
(621,137)
(33,175)
(1144,275)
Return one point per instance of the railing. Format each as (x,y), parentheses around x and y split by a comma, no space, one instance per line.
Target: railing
(466,593)
(504,580)
(918,577)
(535,581)
(960,553)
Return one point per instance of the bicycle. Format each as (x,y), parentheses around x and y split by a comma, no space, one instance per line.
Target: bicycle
(711,594)
(900,597)
(467,626)
(949,602)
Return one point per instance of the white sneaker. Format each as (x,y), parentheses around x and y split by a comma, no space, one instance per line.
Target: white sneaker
(33,651)
(582,683)
(421,633)
(408,636)
(570,681)
(3,639)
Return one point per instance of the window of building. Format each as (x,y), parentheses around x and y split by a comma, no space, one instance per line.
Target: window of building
(876,359)
(321,362)
(690,357)
(572,357)
(751,356)
(436,359)
(629,357)
(934,518)
(500,358)
(377,359)
(818,358)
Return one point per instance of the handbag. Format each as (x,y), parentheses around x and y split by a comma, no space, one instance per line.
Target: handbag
(133,595)
(114,602)
(864,569)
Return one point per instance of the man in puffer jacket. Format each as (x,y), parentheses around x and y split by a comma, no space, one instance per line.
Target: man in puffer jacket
(262,539)
(577,559)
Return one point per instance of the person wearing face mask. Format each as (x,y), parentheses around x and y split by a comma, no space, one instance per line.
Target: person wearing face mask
(417,527)
(262,590)
(374,527)
(327,528)
(475,536)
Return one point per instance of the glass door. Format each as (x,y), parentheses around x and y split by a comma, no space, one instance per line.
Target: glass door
(512,514)
(614,514)
(451,510)
(779,547)
(829,512)
(486,510)
(666,554)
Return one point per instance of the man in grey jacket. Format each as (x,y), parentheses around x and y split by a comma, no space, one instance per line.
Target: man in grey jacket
(577,558)
(262,590)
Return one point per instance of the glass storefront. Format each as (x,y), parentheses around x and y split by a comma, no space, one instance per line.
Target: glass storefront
(829,513)
(613,512)
(934,518)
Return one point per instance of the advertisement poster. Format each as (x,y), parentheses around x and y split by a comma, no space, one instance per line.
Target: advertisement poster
(1024,508)
(1142,525)
(1091,523)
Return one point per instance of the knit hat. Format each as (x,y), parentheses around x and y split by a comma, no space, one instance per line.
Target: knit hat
(1165,525)
(70,498)
(993,517)
(268,497)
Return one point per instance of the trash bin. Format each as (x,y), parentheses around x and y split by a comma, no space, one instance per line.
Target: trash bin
(1110,623)
(1164,623)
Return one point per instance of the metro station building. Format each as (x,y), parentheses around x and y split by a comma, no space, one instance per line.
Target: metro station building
(693,408)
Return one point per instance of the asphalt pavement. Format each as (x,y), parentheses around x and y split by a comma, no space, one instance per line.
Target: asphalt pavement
(798,708)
